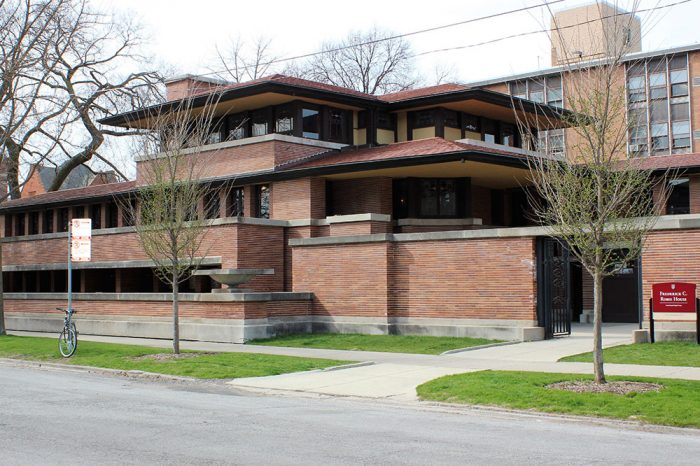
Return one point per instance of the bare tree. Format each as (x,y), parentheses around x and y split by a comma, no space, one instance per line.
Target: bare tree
(245,61)
(59,62)
(373,62)
(169,215)
(597,201)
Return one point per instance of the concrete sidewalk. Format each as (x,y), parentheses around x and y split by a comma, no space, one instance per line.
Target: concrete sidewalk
(396,375)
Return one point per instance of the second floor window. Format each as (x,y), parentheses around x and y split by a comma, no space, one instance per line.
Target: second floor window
(678,197)
(234,203)
(262,201)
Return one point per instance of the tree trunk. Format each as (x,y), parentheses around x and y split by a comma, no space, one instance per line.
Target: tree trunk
(176,316)
(2,299)
(598,328)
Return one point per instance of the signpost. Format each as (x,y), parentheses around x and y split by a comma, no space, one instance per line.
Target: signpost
(674,297)
(79,248)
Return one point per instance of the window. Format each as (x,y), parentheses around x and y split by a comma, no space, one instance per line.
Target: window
(260,123)
(310,123)
(284,122)
(536,90)
(337,125)
(438,198)
(667,129)
(237,127)
(20,225)
(678,197)
(79,212)
(262,201)
(63,219)
(555,96)
(33,220)
(214,137)
(212,205)
(128,213)
(423,119)
(451,118)
(471,123)
(489,131)
(47,226)
(112,215)
(519,89)
(234,203)
(96,216)
(8,225)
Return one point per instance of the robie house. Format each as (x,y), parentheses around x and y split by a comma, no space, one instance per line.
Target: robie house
(401,213)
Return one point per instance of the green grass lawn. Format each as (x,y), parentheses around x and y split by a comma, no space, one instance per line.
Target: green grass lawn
(667,353)
(114,356)
(385,343)
(677,404)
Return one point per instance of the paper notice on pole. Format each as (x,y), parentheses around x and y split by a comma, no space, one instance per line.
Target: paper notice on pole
(81,239)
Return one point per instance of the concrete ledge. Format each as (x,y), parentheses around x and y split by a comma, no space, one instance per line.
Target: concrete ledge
(204,261)
(241,330)
(195,297)
(438,221)
(358,218)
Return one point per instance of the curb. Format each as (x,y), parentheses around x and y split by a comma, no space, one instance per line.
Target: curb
(344,366)
(474,348)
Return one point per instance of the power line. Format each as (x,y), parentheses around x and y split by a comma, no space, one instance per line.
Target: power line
(540,31)
(393,37)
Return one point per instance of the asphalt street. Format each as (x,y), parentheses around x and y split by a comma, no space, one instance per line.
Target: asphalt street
(66,417)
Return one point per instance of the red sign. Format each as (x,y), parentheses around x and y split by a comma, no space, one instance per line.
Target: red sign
(673,297)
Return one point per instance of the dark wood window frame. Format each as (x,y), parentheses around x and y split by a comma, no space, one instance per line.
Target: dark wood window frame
(408,197)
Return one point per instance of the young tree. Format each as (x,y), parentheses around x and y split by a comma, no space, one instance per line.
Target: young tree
(373,62)
(169,212)
(597,201)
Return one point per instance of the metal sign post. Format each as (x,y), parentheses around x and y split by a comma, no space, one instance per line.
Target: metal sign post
(79,245)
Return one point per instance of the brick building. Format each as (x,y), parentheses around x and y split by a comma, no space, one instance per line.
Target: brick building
(401,213)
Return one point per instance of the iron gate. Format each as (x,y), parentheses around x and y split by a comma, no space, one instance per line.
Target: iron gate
(553,288)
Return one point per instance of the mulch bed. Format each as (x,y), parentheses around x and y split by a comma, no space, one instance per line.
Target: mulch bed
(617,388)
(169,356)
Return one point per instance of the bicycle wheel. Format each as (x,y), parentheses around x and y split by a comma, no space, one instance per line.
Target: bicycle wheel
(68,341)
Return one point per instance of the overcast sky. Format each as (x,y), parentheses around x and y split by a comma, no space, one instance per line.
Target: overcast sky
(184,33)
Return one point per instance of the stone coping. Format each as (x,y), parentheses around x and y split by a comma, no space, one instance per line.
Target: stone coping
(438,221)
(127,264)
(158,297)
(249,141)
(223,221)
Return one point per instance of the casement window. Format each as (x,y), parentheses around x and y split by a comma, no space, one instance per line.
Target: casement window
(423,118)
(337,125)
(260,123)
(430,197)
(63,219)
(112,216)
(8,225)
(47,226)
(489,131)
(96,216)
(262,201)
(234,203)
(551,142)
(20,224)
(658,108)
(284,120)
(33,221)
(310,123)
(212,204)
(678,197)
(236,127)
(79,212)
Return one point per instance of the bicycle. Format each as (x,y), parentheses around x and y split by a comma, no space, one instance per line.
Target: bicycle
(68,339)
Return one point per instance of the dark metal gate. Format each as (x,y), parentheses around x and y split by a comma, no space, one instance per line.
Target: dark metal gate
(553,288)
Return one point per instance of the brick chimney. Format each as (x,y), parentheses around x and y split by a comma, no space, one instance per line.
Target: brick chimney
(185,86)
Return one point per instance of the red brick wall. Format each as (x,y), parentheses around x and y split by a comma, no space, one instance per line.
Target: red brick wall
(348,279)
(362,196)
(476,279)
(670,256)
(481,204)
(188,309)
(239,245)
(453,279)
(239,159)
(299,199)
(694,194)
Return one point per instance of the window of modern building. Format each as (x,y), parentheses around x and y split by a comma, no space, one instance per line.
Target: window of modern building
(234,203)
(545,90)
(47,225)
(262,201)
(310,123)
(678,197)
(658,106)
